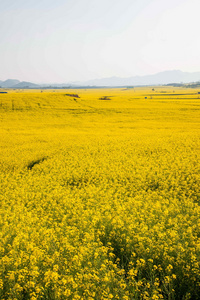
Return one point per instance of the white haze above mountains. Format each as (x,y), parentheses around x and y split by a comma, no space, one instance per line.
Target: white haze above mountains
(161,78)
(48,41)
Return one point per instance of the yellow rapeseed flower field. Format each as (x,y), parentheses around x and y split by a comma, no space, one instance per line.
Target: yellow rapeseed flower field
(100,194)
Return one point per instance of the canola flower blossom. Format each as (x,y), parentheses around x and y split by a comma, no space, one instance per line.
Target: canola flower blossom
(100,198)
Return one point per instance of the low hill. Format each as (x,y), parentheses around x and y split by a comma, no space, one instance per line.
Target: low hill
(25,85)
(9,83)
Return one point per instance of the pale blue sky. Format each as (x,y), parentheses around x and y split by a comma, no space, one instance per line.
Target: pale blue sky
(77,40)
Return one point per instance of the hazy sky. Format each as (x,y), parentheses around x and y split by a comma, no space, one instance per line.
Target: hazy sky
(72,40)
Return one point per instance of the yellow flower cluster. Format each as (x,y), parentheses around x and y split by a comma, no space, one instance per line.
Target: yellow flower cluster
(100,198)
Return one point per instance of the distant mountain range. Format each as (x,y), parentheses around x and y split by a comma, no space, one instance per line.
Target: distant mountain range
(161,78)
(165,77)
